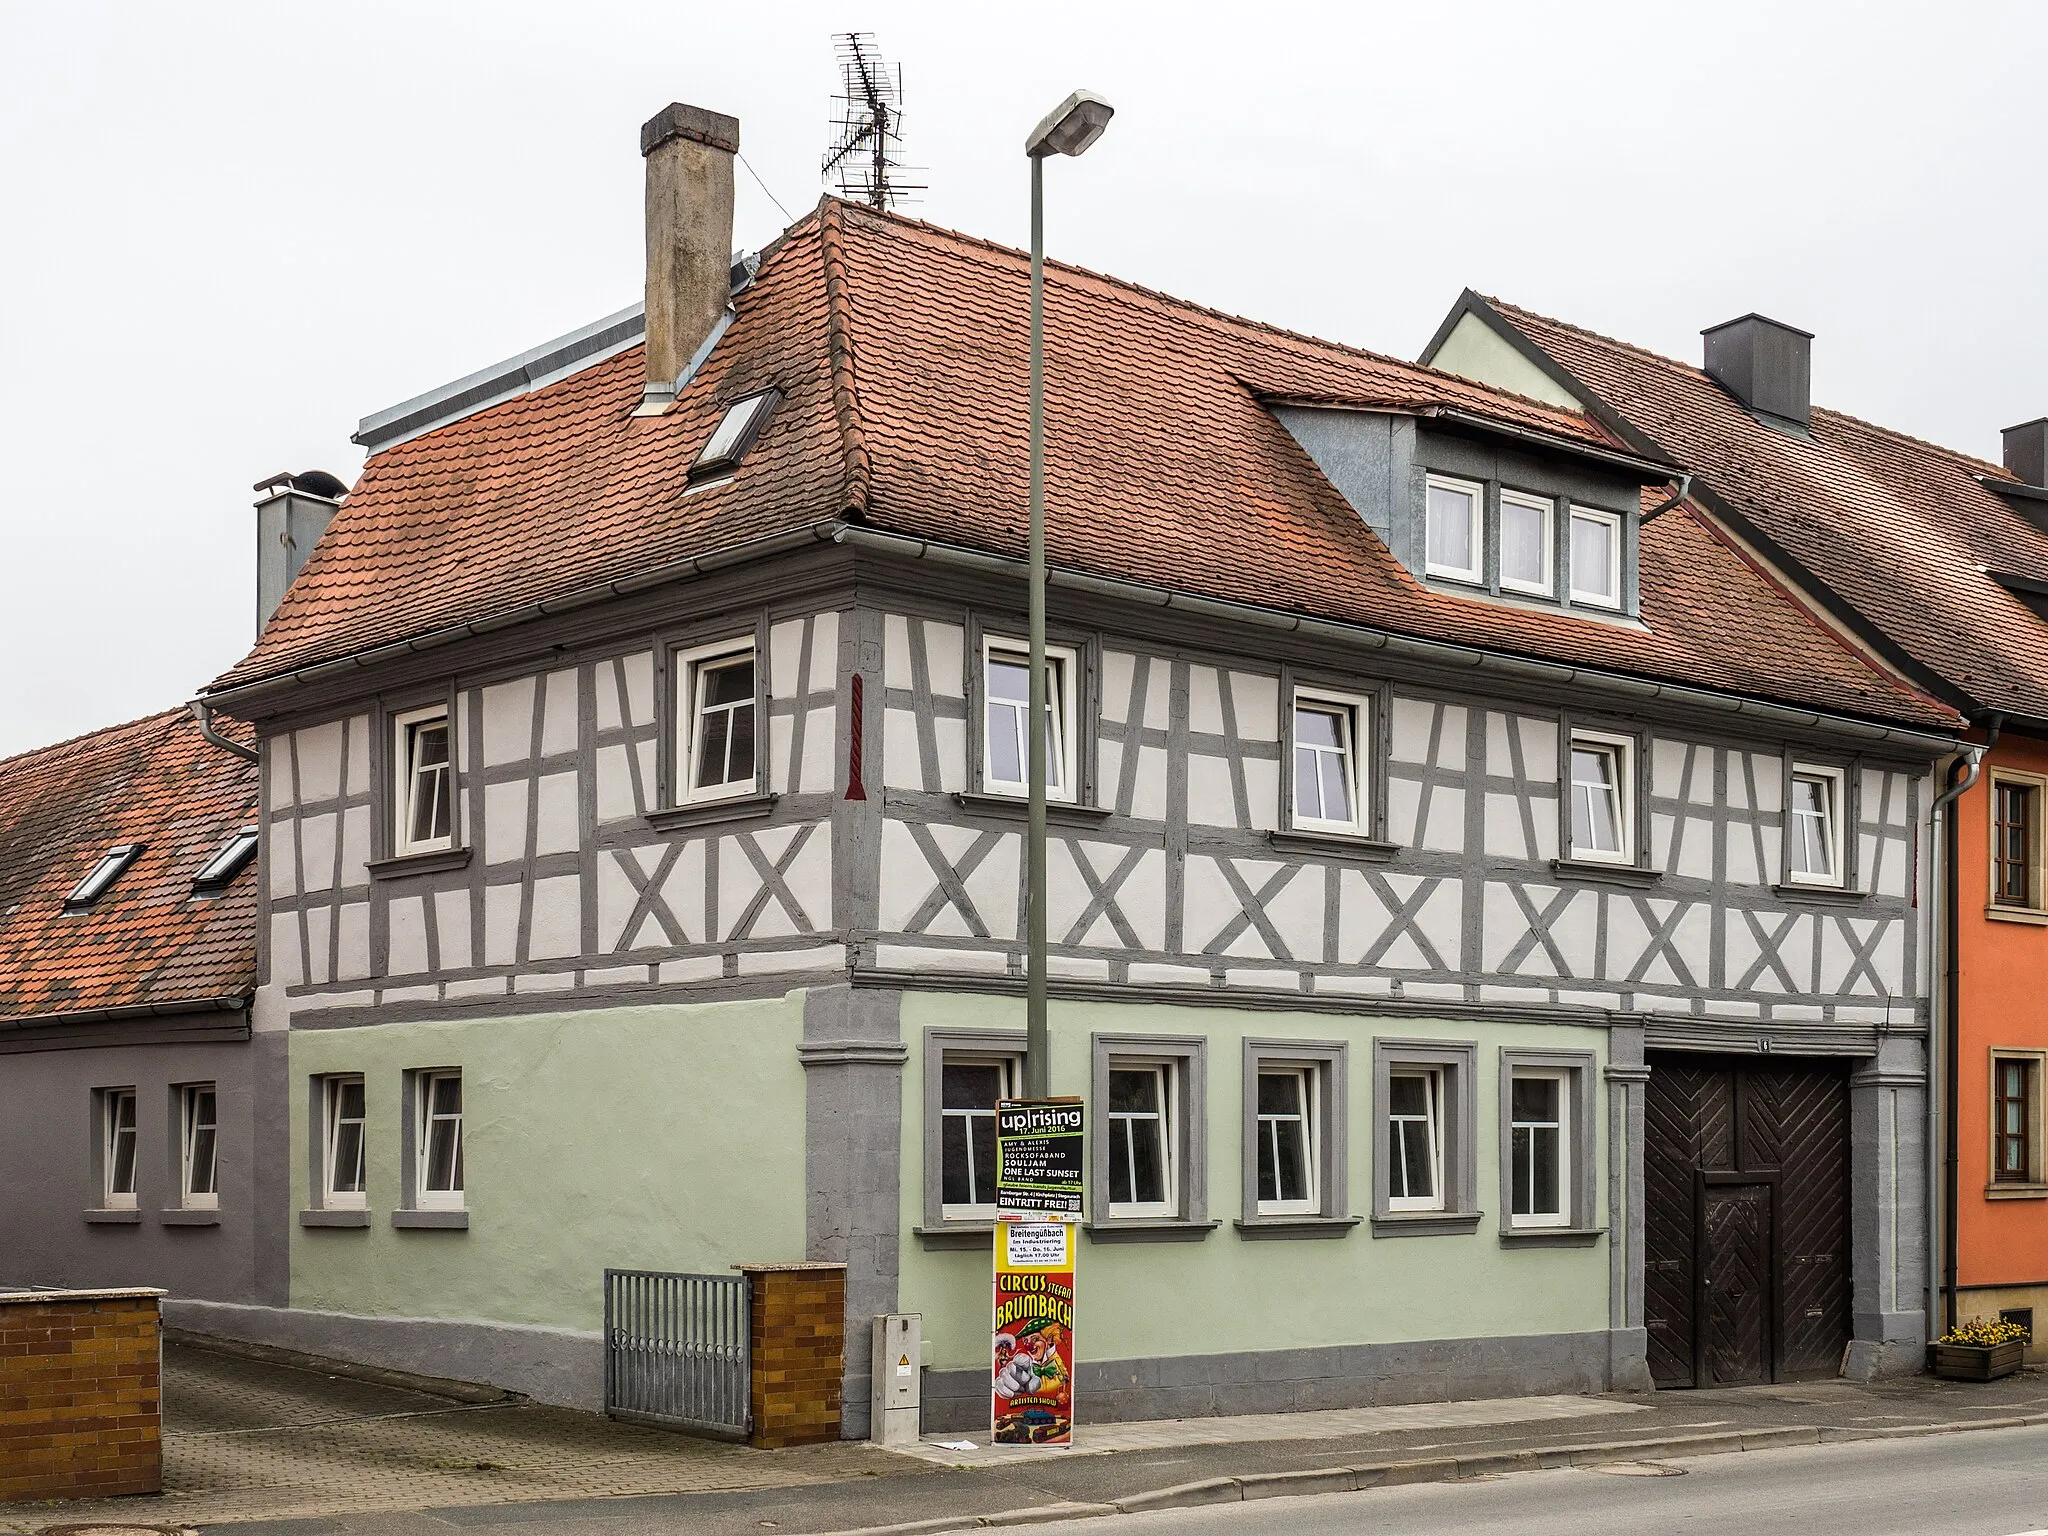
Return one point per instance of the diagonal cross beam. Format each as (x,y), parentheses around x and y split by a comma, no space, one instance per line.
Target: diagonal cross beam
(774,882)
(1102,896)
(647,890)
(952,883)
(1252,910)
(1401,918)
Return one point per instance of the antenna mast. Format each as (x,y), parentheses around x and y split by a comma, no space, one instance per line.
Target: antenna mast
(861,165)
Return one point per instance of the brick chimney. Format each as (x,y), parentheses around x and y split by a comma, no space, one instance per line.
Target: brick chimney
(689,154)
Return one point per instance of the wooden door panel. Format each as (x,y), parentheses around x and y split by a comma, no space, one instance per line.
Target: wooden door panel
(1735,1233)
(1688,1120)
(1809,1112)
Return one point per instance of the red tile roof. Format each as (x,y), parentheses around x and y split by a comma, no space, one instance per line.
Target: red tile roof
(901,353)
(148,942)
(1901,530)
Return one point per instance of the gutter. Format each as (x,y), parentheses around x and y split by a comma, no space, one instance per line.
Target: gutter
(825,531)
(235,1004)
(203,713)
(1556,443)
(1943,1041)
(1433,652)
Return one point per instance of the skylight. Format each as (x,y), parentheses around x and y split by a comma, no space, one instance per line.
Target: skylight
(736,432)
(104,874)
(225,865)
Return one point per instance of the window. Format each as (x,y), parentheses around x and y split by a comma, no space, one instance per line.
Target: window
(222,868)
(2012,843)
(1006,688)
(970,1088)
(117,1149)
(425,800)
(437,1154)
(1525,543)
(1602,808)
(736,432)
(719,708)
(1329,787)
(1456,529)
(2012,1117)
(200,1186)
(103,874)
(1813,826)
(1141,1139)
(1596,557)
(1424,1137)
(1415,1146)
(1539,1173)
(344,1180)
(1287,1124)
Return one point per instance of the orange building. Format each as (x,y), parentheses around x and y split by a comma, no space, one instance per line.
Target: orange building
(1934,564)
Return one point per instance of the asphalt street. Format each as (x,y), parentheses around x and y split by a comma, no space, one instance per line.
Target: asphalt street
(1993,1483)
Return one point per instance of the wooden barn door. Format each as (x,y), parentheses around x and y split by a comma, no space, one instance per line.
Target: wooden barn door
(1746,1169)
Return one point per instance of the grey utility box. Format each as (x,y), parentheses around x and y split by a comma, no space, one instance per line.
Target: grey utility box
(898,1390)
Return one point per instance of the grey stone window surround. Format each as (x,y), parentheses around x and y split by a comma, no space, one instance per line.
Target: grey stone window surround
(937,1231)
(1190,1054)
(1459,1063)
(1639,870)
(1374,753)
(670,812)
(317,1212)
(399,866)
(1331,1061)
(384,808)
(1579,1068)
(1087,648)
(408,1214)
(1845,890)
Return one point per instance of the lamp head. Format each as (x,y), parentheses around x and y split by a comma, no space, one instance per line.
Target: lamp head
(1070,127)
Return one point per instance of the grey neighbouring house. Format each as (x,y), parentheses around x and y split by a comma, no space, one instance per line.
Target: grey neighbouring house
(642,836)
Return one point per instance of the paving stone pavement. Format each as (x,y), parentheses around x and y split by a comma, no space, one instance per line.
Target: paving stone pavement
(253,1440)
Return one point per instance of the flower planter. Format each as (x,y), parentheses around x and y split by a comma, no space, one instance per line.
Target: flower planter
(1978,1362)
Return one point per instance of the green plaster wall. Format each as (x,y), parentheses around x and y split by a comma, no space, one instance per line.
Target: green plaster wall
(1225,1293)
(666,1137)
(1474,350)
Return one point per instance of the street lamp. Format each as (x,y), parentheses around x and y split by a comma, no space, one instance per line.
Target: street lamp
(1068,129)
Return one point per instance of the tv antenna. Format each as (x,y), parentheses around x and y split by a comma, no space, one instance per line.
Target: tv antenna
(861,164)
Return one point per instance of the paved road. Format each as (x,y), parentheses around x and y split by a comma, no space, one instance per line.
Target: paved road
(1993,1483)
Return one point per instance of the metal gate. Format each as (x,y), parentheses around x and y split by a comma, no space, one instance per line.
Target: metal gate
(676,1350)
(1746,1169)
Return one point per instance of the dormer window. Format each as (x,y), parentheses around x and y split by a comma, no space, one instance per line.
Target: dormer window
(1596,557)
(110,868)
(736,432)
(1525,544)
(1457,529)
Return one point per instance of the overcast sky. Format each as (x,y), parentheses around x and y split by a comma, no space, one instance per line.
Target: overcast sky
(227,232)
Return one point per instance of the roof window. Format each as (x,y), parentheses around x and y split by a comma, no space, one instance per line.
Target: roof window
(225,865)
(737,430)
(104,874)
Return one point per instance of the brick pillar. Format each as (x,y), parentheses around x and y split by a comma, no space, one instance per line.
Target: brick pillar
(80,1396)
(797,1335)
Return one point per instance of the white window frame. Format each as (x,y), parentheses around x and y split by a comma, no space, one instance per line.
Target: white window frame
(688,667)
(1433,1080)
(1623,749)
(405,780)
(1012,1069)
(1310,1075)
(1168,1070)
(1614,565)
(111,1100)
(330,1126)
(1477,492)
(1837,800)
(1566,1160)
(1356,726)
(1062,702)
(423,1198)
(1546,586)
(189,1125)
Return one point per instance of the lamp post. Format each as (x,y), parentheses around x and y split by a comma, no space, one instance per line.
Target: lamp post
(1068,129)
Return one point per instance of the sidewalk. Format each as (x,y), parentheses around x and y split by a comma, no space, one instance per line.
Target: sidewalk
(268,1450)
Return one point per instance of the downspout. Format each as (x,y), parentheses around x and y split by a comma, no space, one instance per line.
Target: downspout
(1681,490)
(203,713)
(1945,888)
